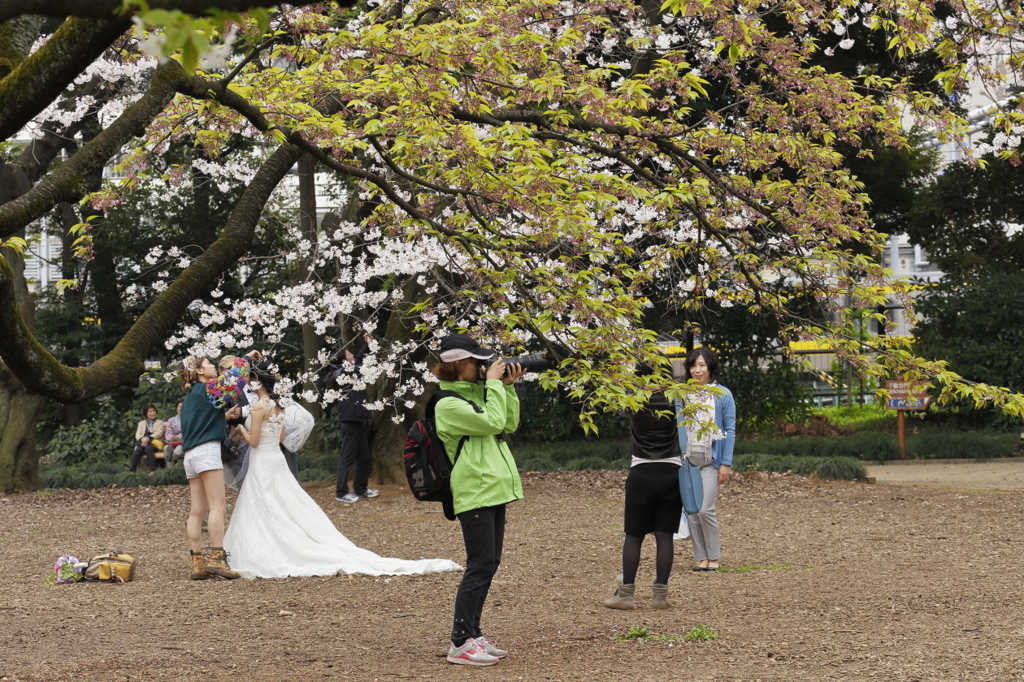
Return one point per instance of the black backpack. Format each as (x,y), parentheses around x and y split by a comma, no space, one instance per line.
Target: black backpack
(427,467)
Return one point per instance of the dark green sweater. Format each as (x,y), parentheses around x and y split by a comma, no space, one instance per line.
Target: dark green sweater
(201,422)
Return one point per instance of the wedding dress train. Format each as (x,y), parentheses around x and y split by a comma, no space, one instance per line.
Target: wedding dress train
(277,530)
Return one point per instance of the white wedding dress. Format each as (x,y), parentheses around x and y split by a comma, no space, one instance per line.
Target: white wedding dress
(277,530)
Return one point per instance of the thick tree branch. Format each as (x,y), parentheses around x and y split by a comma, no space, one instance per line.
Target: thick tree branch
(63,184)
(43,374)
(108,9)
(41,78)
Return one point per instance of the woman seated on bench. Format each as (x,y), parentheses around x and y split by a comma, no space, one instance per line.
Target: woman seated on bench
(173,439)
(148,439)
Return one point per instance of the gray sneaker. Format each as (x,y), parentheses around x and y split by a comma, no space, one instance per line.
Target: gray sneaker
(370,492)
(348,497)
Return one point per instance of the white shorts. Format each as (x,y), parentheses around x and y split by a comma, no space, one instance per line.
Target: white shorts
(204,457)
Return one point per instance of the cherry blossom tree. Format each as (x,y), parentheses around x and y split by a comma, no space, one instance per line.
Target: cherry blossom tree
(528,170)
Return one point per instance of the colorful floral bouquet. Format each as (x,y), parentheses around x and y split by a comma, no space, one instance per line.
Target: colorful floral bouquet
(228,385)
(66,570)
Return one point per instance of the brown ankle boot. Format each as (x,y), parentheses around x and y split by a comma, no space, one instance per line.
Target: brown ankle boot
(622,598)
(198,566)
(660,596)
(217,564)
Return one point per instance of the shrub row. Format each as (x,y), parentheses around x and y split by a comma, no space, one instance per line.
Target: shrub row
(107,474)
(97,477)
(872,446)
(880,447)
(838,468)
(575,456)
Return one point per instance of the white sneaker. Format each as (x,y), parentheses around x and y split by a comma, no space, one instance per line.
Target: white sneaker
(470,653)
(370,492)
(490,648)
(348,497)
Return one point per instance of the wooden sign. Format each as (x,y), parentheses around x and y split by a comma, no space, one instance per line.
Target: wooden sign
(903,396)
(908,395)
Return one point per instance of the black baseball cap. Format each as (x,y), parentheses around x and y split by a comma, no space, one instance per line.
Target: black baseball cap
(461,346)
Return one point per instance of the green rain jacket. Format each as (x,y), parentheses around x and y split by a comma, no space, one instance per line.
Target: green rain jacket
(486,473)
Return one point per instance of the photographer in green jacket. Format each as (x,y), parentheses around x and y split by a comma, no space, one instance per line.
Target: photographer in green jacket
(483,480)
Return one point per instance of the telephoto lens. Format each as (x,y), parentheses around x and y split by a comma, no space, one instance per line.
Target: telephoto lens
(534,362)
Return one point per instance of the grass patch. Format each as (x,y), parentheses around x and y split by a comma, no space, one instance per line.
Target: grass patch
(638,631)
(874,417)
(699,633)
(753,567)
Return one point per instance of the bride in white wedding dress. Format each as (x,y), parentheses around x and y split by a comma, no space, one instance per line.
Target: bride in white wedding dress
(276,529)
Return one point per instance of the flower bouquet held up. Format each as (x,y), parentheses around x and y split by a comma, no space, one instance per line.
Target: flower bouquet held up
(67,569)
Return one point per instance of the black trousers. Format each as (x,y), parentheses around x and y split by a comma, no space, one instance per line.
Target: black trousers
(483,532)
(355,452)
(149,451)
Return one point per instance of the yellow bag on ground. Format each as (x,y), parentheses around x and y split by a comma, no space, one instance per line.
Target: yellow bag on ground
(113,567)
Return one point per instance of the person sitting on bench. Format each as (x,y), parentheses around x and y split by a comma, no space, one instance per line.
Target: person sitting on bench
(148,439)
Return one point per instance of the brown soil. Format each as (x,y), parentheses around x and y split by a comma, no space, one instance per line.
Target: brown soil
(856,582)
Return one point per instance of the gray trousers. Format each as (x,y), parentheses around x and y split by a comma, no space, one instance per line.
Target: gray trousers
(704,524)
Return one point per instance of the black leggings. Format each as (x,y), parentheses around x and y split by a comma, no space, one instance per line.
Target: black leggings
(631,558)
(483,531)
(149,451)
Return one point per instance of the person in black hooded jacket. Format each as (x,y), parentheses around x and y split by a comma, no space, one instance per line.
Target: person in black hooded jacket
(354,420)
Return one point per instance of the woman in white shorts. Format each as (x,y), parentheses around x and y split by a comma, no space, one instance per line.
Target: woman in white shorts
(203,429)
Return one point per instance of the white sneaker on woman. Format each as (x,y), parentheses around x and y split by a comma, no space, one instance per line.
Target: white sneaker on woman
(470,653)
(490,648)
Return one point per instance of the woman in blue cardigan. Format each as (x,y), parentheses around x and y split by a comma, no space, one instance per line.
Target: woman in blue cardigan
(711,449)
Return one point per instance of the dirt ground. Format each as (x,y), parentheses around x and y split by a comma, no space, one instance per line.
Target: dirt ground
(996,474)
(852,582)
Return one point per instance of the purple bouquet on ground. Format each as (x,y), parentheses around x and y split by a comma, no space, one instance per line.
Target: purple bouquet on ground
(65,571)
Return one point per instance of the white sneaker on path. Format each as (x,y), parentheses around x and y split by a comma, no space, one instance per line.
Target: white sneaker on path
(470,653)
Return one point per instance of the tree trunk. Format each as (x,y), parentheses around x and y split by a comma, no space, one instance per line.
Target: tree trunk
(387,442)
(303,271)
(19,410)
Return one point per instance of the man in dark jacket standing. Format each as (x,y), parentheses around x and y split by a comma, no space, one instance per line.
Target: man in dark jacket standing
(354,420)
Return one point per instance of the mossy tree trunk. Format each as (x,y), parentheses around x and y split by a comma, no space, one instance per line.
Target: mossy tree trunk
(19,409)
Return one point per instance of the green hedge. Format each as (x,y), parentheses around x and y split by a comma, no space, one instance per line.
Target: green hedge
(881,447)
(572,456)
(877,447)
(946,444)
(838,468)
(109,474)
